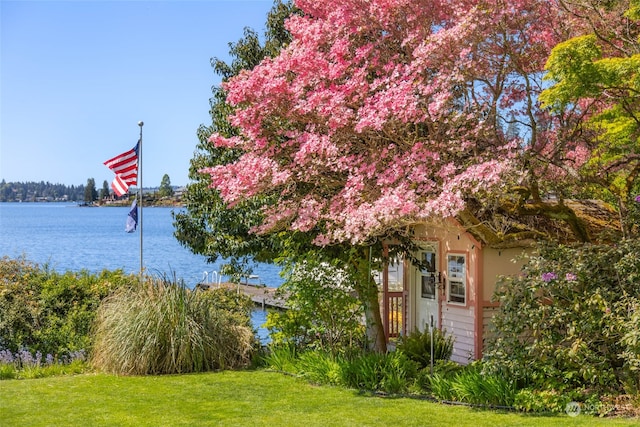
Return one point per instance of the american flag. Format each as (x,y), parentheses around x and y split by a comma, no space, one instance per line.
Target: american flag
(125,166)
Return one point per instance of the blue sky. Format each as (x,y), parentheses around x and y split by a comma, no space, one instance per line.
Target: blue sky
(76,77)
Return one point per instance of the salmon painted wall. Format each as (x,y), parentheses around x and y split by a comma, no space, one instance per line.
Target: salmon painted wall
(498,262)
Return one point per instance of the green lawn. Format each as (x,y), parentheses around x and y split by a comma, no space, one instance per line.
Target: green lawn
(250,398)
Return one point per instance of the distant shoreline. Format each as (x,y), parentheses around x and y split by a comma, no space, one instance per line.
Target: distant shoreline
(111,203)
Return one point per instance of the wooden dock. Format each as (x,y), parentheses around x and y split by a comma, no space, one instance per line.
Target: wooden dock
(261,295)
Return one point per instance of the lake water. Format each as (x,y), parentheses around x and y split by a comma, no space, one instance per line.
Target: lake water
(72,238)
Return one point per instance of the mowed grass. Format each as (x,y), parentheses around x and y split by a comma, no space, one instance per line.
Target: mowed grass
(248,398)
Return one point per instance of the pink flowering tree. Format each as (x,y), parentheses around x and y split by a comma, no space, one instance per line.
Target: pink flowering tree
(383,113)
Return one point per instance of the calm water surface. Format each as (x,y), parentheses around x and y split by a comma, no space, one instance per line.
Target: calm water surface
(68,237)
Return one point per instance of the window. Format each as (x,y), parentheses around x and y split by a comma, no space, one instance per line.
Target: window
(395,273)
(428,275)
(456,274)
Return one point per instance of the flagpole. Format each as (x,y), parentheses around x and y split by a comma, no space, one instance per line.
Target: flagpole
(140,123)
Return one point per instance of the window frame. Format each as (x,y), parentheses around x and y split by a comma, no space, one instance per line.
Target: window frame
(457,278)
(429,288)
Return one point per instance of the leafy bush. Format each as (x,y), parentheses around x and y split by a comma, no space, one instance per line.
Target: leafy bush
(48,312)
(471,385)
(442,368)
(417,346)
(570,321)
(531,400)
(320,367)
(161,327)
(282,358)
(391,373)
(323,310)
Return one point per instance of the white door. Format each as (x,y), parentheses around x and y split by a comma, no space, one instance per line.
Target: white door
(427,289)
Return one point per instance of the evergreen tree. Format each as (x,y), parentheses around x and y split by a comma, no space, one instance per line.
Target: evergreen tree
(165,187)
(90,192)
(209,227)
(104,193)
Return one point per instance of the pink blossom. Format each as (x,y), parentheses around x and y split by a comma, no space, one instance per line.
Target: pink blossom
(375,115)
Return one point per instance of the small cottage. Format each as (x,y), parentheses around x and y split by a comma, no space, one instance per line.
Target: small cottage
(462,259)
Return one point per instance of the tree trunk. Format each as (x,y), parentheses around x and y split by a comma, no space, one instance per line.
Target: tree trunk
(376,339)
(368,295)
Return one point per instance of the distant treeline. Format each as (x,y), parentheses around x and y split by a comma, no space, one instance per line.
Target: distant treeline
(39,191)
(48,192)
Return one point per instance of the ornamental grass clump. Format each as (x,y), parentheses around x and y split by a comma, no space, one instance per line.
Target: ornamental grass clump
(161,327)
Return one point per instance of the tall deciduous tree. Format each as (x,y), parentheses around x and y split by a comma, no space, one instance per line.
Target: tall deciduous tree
(380,114)
(595,97)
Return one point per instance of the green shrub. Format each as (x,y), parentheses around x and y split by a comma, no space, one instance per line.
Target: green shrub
(443,368)
(471,385)
(568,321)
(320,367)
(417,346)
(236,305)
(391,373)
(630,344)
(440,387)
(48,312)
(7,371)
(161,327)
(533,400)
(323,310)
(282,358)
(530,400)
(57,369)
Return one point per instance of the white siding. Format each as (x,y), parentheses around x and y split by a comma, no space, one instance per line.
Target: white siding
(458,321)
